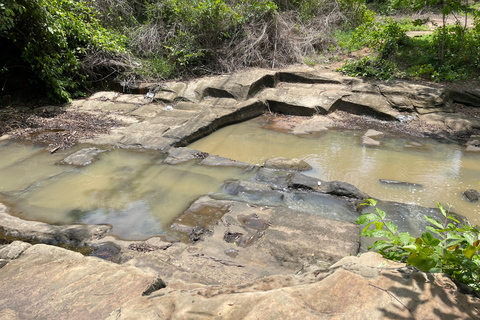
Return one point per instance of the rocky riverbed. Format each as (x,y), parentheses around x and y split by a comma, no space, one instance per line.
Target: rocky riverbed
(244,255)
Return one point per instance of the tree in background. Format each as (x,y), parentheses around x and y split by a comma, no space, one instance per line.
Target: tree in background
(53,37)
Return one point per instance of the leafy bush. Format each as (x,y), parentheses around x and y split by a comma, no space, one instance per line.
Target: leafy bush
(446,247)
(53,36)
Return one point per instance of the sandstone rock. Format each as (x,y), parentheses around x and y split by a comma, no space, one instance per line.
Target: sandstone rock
(83,157)
(314,124)
(12,251)
(365,287)
(367,141)
(372,133)
(287,164)
(423,98)
(47,282)
(373,105)
(473,144)
(470,97)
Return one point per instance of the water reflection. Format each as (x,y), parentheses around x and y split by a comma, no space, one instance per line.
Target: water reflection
(443,169)
(131,190)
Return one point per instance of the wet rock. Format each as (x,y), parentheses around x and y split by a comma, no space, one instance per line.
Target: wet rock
(373,133)
(408,218)
(343,189)
(48,282)
(83,157)
(400,183)
(46,233)
(315,124)
(472,195)
(287,164)
(182,155)
(473,144)
(367,138)
(197,233)
(217,161)
(367,141)
(253,192)
(413,144)
(336,188)
(277,179)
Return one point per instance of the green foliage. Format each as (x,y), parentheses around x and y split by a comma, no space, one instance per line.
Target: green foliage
(53,36)
(444,247)
(355,11)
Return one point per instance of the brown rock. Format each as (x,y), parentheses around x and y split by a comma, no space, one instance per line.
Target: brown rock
(287,164)
(47,282)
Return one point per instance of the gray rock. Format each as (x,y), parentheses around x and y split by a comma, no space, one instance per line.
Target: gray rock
(472,195)
(217,161)
(400,183)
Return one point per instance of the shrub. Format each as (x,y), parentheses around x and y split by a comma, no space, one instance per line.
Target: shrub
(53,37)
(444,247)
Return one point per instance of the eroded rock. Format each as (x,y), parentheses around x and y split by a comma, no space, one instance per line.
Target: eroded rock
(365,287)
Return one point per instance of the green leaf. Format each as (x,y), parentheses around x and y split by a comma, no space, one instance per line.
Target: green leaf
(429,239)
(441,208)
(364,218)
(421,261)
(405,238)
(410,248)
(434,222)
(380,213)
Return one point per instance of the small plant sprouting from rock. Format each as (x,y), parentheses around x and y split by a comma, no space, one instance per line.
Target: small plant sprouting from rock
(446,246)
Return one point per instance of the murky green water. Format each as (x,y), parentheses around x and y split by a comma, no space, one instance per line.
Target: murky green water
(131,190)
(444,170)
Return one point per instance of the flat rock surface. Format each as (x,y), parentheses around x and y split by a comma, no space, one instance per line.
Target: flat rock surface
(366,287)
(48,282)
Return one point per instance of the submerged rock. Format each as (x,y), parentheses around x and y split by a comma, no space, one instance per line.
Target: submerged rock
(83,157)
(46,233)
(400,183)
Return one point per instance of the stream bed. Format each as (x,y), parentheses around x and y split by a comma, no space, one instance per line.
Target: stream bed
(140,196)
